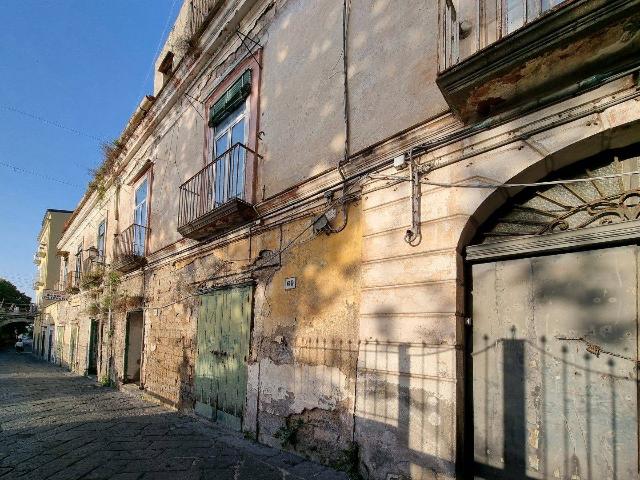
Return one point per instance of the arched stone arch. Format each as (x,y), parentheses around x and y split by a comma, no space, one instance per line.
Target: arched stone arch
(529,169)
(482,205)
(10,321)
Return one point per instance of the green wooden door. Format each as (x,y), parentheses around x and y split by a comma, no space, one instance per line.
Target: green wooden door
(59,344)
(224,328)
(72,347)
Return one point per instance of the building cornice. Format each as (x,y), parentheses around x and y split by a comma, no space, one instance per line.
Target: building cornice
(141,127)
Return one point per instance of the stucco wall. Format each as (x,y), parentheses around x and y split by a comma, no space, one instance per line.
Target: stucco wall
(392,68)
(305,341)
(301,124)
(302,96)
(84,230)
(177,155)
(413,306)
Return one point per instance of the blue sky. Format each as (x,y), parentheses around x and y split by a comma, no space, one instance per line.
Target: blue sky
(83,64)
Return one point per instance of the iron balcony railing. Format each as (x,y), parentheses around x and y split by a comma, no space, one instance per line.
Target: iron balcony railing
(220,181)
(131,242)
(72,280)
(471,25)
(93,264)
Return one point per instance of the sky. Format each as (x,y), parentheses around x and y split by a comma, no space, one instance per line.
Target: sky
(71,73)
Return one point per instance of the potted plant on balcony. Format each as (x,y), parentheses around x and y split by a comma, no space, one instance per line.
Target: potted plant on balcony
(92,279)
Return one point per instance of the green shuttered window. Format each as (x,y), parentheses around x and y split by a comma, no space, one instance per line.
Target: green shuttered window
(231,99)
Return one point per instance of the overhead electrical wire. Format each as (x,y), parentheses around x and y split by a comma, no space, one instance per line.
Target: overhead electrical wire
(488,184)
(160,44)
(39,175)
(52,123)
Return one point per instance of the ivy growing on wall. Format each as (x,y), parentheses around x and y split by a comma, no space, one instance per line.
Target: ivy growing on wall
(110,153)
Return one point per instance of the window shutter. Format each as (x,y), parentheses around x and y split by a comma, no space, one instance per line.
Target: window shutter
(231,99)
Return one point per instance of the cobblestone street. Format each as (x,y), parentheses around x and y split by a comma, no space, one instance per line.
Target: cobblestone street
(57,425)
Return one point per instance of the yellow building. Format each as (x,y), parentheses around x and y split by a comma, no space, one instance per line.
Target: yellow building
(47,276)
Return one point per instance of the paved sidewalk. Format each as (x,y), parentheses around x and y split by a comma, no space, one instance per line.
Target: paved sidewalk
(54,424)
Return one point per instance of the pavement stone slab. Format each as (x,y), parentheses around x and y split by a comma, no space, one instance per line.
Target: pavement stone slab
(58,425)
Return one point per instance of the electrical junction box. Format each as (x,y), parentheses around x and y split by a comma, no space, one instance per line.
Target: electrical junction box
(400,162)
(290,283)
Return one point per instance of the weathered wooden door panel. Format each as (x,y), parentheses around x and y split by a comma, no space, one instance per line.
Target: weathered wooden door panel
(92,363)
(73,347)
(223,347)
(549,401)
(134,344)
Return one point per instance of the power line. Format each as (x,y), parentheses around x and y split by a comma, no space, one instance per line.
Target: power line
(39,175)
(488,184)
(52,123)
(160,43)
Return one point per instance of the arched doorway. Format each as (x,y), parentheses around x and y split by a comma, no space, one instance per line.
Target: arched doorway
(10,328)
(552,362)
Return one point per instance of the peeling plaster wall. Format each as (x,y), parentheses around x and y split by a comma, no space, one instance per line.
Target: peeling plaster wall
(73,314)
(302,88)
(301,103)
(412,310)
(177,155)
(368,344)
(305,342)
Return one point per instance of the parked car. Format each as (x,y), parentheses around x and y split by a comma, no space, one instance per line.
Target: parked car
(27,341)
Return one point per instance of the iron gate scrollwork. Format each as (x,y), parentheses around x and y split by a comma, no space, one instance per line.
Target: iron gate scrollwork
(591,201)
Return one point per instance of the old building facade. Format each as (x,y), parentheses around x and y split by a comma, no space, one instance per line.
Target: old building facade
(366,231)
(47,262)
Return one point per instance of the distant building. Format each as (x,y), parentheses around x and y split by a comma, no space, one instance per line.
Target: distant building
(47,279)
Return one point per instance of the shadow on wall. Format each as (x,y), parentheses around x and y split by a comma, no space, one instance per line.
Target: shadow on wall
(580,422)
(554,367)
(404,412)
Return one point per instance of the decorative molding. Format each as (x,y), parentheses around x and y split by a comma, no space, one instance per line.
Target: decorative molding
(496,78)
(606,235)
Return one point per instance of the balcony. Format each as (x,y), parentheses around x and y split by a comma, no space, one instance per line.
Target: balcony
(215,198)
(497,55)
(70,283)
(93,269)
(130,248)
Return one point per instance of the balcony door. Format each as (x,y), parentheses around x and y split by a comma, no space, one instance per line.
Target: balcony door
(140,219)
(101,239)
(229,171)
(78,264)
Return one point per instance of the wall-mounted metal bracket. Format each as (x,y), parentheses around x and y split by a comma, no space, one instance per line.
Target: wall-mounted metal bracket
(244,37)
(414,236)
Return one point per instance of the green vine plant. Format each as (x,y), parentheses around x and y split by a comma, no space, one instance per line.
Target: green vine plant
(114,279)
(91,280)
(349,462)
(110,153)
(107,302)
(94,309)
(72,290)
(288,433)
